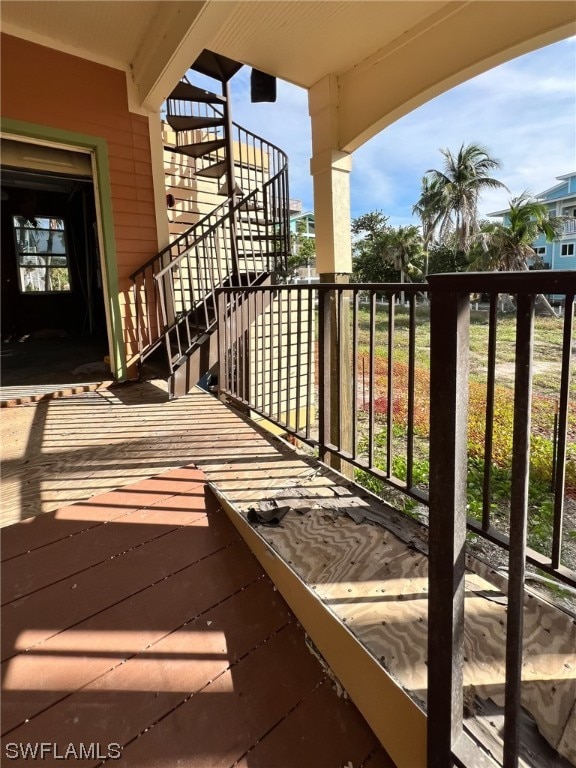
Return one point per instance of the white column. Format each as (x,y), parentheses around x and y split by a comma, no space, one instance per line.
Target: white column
(330,169)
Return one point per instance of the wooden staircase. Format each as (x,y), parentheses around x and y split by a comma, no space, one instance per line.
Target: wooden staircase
(243,241)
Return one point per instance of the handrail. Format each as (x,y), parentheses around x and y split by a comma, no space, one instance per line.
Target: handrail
(349,381)
(178,239)
(163,299)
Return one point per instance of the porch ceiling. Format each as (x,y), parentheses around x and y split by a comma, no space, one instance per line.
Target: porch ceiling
(385,56)
(108,32)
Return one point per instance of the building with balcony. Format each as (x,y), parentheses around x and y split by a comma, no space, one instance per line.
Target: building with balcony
(561,201)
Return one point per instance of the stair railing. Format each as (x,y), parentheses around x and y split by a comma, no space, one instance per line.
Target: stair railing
(169,288)
(208,263)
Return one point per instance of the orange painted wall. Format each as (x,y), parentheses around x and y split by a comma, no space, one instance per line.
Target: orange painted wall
(40,85)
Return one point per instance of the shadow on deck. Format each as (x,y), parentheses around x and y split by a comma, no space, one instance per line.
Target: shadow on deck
(140,618)
(359,588)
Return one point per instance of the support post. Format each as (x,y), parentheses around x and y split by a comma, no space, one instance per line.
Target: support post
(230,173)
(449,364)
(330,170)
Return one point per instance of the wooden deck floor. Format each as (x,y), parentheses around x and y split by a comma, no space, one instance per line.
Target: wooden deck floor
(372,578)
(140,618)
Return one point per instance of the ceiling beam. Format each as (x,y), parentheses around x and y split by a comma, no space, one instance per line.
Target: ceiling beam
(460,42)
(175,38)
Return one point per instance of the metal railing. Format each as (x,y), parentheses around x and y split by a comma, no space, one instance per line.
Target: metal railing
(344,368)
(236,243)
(450,374)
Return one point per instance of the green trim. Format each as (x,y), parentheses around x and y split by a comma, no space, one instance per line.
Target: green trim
(99,146)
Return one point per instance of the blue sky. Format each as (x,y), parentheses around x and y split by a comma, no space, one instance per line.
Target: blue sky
(523,112)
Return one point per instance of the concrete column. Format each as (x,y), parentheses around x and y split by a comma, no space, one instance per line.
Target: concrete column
(330,169)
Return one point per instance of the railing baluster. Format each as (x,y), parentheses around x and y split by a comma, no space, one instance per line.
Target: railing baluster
(489,428)
(411,391)
(339,316)
(355,305)
(270,350)
(390,393)
(518,525)
(280,332)
(562,431)
(371,356)
(299,335)
(310,362)
(324,370)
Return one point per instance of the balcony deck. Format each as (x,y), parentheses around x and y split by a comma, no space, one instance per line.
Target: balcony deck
(370,579)
(140,617)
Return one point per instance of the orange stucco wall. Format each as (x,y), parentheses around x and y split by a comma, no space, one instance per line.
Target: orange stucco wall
(50,88)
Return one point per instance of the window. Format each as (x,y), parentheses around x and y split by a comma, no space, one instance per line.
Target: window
(42,255)
(567,249)
(540,251)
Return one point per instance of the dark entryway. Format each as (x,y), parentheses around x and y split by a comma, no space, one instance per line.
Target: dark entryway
(53,315)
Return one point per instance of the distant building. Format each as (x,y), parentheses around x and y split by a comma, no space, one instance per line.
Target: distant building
(302,223)
(301,228)
(561,201)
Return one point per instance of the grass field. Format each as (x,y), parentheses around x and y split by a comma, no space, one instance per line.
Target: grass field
(547,352)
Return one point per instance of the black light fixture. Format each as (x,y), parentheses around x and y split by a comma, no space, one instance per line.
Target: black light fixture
(262,86)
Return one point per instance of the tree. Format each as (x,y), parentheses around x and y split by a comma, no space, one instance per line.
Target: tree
(443,258)
(508,246)
(448,203)
(384,253)
(405,248)
(370,264)
(303,250)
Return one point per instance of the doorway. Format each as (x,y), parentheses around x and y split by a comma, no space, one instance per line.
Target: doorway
(53,304)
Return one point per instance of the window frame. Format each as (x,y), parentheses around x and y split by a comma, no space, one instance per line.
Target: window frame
(18,226)
(569,250)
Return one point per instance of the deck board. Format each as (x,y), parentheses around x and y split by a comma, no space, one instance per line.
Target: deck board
(187,656)
(373,578)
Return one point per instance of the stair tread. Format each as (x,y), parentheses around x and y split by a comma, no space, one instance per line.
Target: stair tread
(216,65)
(223,190)
(188,92)
(260,222)
(271,236)
(192,123)
(250,205)
(213,171)
(201,148)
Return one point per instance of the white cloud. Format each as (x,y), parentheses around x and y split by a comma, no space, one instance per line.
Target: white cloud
(523,111)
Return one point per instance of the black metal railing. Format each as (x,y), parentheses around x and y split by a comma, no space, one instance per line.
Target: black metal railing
(318,376)
(450,373)
(390,380)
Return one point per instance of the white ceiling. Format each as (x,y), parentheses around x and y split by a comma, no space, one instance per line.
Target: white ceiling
(387,56)
(303,41)
(107,31)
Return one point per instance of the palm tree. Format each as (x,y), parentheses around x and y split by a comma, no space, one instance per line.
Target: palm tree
(428,211)
(448,204)
(404,246)
(508,246)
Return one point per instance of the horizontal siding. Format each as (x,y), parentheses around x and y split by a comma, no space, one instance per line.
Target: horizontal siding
(91,99)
